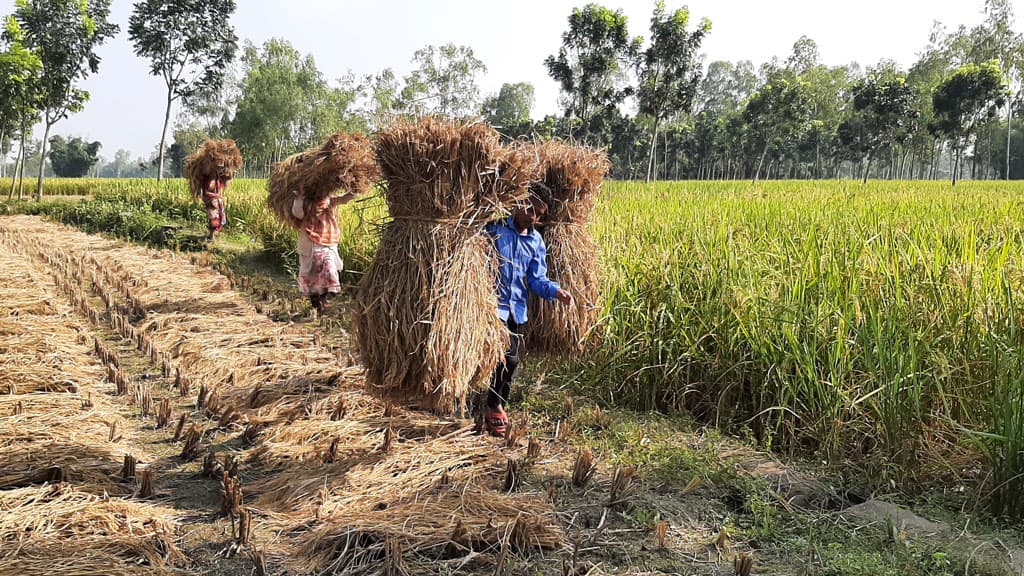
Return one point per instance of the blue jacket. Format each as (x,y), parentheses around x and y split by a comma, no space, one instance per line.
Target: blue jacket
(522,265)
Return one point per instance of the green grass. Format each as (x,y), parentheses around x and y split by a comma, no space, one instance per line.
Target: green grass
(878,326)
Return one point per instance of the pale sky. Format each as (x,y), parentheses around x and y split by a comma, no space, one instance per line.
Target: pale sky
(511,37)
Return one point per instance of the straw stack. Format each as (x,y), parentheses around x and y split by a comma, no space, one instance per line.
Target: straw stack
(426,327)
(574,175)
(345,161)
(213,159)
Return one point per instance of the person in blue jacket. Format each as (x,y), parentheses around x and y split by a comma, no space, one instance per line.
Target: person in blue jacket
(522,268)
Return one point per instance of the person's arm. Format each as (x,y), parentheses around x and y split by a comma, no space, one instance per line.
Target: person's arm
(537,275)
(538,282)
(343,199)
(298,206)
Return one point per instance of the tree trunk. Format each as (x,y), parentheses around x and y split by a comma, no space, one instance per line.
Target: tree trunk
(760,163)
(654,144)
(956,163)
(664,162)
(817,160)
(867,168)
(17,165)
(163,137)
(1009,128)
(21,165)
(42,160)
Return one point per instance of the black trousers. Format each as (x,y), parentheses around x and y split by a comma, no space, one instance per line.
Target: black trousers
(501,381)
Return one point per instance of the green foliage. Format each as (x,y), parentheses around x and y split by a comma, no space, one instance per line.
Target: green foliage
(190,44)
(72,158)
(777,113)
(444,81)
(961,103)
(669,69)
(883,115)
(286,105)
(589,67)
(19,70)
(726,86)
(509,110)
(65,35)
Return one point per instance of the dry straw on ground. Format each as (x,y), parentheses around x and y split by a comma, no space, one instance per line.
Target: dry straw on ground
(344,162)
(213,159)
(316,468)
(574,175)
(424,325)
(43,529)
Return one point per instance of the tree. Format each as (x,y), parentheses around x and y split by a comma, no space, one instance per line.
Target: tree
(65,35)
(998,40)
(968,98)
(596,52)
(804,56)
(726,86)
(382,95)
(189,44)
(884,114)
(286,105)
(923,78)
(72,158)
(444,82)
(669,70)
(777,112)
(510,108)
(122,163)
(19,91)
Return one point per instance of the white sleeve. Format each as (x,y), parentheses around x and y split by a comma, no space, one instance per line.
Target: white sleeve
(297,207)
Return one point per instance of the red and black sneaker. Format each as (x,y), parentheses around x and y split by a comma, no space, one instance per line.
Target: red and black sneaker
(496,421)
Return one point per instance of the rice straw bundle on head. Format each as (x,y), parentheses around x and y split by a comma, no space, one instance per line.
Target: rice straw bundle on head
(344,162)
(426,321)
(574,175)
(214,158)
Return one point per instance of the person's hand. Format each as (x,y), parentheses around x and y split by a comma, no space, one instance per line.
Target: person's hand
(563,296)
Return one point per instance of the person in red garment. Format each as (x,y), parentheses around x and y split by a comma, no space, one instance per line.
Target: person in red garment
(319,234)
(213,200)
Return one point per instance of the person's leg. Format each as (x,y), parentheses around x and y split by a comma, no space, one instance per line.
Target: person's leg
(317,301)
(501,382)
(512,356)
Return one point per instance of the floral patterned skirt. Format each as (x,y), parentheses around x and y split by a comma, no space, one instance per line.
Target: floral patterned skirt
(318,271)
(216,217)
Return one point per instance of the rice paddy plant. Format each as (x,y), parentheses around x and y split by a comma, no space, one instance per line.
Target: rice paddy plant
(857,322)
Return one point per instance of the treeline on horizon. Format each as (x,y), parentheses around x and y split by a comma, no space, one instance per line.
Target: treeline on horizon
(659,110)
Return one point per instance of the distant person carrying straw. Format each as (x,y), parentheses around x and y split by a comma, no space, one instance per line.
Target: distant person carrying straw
(522,267)
(208,171)
(213,201)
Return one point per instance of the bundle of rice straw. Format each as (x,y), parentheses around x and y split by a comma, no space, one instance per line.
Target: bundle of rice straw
(344,161)
(214,158)
(425,312)
(574,175)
